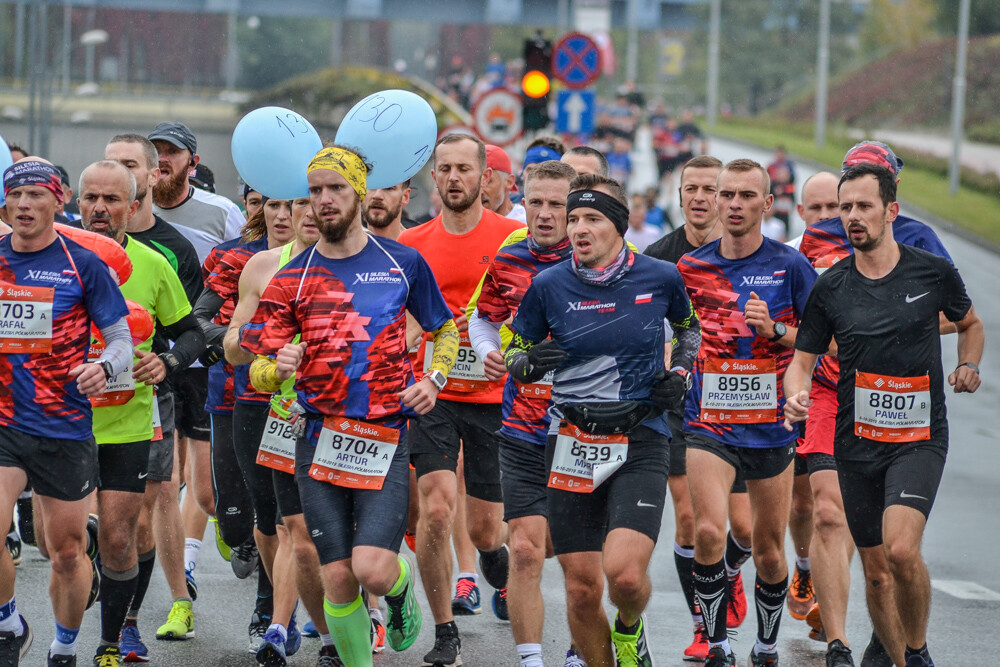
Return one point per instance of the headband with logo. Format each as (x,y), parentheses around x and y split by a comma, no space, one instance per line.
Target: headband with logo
(32,173)
(613,209)
(345,163)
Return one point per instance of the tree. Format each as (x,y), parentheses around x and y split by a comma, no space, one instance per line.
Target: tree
(893,25)
(984,17)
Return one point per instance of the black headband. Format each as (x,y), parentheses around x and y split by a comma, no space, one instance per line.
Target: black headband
(613,209)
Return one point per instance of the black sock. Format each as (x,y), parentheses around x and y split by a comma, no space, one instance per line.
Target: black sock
(264,587)
(712,588)
(685,572)
(922,652)
(117,591)
(448,628)
(623,629)
(736,555)
(494,565)
(146,563)
(770,599)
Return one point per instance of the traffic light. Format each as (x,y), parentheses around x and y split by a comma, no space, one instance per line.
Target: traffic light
(535,85)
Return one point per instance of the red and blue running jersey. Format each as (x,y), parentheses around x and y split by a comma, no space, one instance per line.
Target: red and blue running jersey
(225,281)
(37,396)
(826,242)
(613,334)
(525,409)
(719,289)
(220,397)
(351,314)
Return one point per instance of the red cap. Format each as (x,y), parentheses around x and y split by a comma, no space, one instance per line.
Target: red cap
(497,158)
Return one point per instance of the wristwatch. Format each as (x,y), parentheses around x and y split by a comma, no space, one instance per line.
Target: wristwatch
(779,332)
(170,362)
(438,378)
(106,367)
(970,365)
(684,373)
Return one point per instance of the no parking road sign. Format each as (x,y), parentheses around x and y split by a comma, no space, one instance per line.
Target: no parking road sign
(576,60)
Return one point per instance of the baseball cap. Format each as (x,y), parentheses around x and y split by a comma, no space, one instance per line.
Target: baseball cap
(873,152)
(537,154)
(176,133)
(497,158)
(203,178)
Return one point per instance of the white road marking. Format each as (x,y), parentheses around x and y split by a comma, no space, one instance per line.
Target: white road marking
(965,590)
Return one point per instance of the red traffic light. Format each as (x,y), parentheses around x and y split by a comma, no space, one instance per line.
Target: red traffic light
(535,84)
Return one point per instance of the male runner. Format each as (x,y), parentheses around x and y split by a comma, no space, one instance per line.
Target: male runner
(498,187)
(586,160)
(52,291)
(525,408)
(891,430)
(356,390)
(607,445)
(458,246)
(698,180)
(382,210)
(123,415)
(731,415)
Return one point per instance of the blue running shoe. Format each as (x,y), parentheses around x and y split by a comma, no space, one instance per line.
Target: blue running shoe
(500,604)
(309,630)
(294,640)
(191,585)
(130,643)
(272,650)
(467,600)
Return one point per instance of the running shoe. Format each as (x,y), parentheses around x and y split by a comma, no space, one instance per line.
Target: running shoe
(838,655)
(192,586)
(411,540)
(815,621)
(875,654)
(294,640)
(573,659)
(60,660)
(698,650)
(736,609)
(244,559)
(272,650)
(14,547)
(95,585)
(378,636)
(717,658)
(108,656)
(467,599)
(495,565)
(259,623)
(131,646)
(917,660)
(26,521)
(309,630)
(93,527)
(447,651)
(328,657)
(224,549)
(801,596)
(13,649)
(499,603)
(180,622)
(632,650)
(405,618)
(763,659)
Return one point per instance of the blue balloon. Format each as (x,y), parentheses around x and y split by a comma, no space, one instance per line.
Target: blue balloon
(395,130)
(6,159)
(272,147)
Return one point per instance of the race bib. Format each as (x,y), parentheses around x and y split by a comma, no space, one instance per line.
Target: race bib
(25,319)
(277,445)
(540,389)
(583,461)
(157,422)
(739,391)
(121,387)
(468,374)
(353,454)
(892,409)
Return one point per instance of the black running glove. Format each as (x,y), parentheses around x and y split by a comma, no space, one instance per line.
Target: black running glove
(668,392)
(531,366)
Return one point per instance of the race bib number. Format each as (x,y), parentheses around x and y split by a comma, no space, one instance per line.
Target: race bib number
(121,387)
(25,319)
(739,391)
(353,454)
(468,374)
(157,422)
(583,461)
(541,389)
(277,445)
(892,409)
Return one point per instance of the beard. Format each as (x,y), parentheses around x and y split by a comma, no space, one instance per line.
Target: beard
(169,188)
(869,242)
(463,204)
(112,232)
(334,231)
(381,218)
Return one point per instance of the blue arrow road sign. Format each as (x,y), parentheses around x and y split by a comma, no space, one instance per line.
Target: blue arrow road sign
(576,111)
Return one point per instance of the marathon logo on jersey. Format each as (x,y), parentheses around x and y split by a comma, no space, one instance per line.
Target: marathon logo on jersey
(393,276)
(597,305)
(51,276)
(775,279)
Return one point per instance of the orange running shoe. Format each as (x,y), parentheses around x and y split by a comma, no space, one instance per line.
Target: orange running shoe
(815,622)
(801,596)
(698,650)
(736,610)
(411,540)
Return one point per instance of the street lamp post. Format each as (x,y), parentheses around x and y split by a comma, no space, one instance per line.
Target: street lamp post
(713,61)
(958,98)
(822,71)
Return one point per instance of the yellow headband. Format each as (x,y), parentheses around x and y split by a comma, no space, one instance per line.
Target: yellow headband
(345,163)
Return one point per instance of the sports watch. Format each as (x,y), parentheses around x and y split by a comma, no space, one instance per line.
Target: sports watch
(970,365)
(106,367)
(779,332)
(438,378)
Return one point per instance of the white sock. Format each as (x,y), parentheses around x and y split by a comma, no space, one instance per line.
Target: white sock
(724,645)
(802,563)
(376,613)
(10,620)
(58,648)
(531,655)
(326,639)
(191,549)
(469,575)
(281,630)
(760,647)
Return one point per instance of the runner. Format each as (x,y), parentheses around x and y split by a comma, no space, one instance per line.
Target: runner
(697,188)
(458,246)
(731,414)
(891,430)
(543,245)
(587,160)
(124,415)
(606,447)
(355,379)
(53,290)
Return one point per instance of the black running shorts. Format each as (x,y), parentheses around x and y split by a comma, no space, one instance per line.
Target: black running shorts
(754,462)
(56,468)
(124,467)
(523,476)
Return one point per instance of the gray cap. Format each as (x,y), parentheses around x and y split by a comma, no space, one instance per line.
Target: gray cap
(176,133)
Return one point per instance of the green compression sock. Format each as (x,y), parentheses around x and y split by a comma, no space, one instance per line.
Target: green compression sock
(351,628)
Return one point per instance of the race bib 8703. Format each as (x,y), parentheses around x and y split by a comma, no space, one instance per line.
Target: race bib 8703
(25,319)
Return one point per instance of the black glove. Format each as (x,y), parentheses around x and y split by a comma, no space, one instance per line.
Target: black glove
(539,360)
(212,355)
(669,390)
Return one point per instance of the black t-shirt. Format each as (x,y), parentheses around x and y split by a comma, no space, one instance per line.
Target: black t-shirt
(166,240)
(671,247)
(884,327)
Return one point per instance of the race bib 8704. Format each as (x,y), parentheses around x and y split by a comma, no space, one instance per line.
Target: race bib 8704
(353,454)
